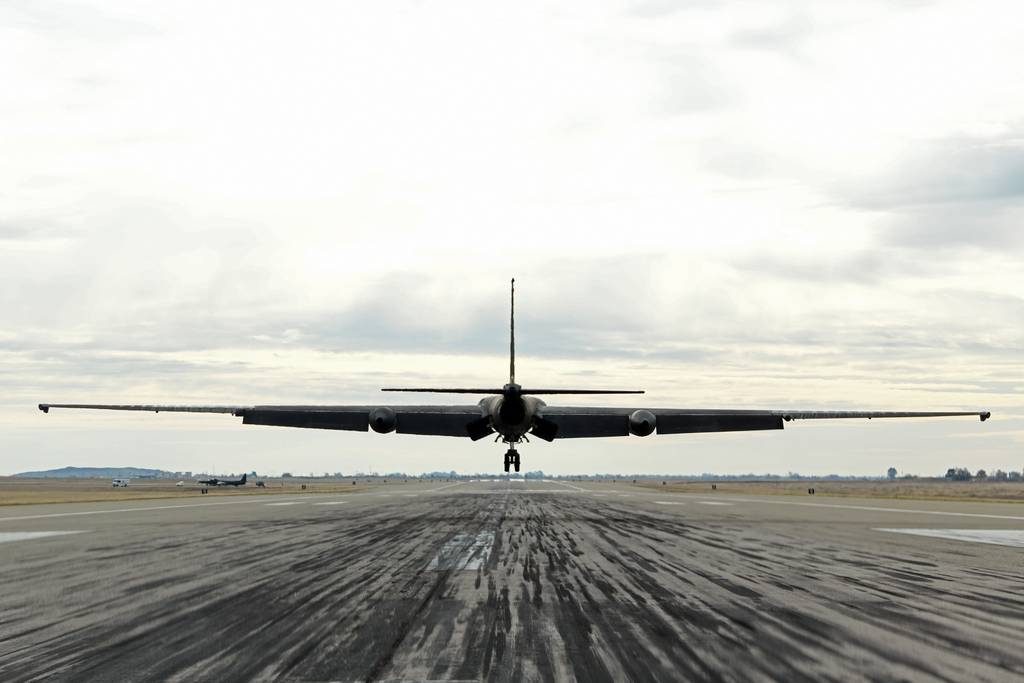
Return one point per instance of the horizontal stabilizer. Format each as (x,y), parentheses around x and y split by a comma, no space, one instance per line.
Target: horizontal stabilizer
(582,391)
(434,390)
(459,390)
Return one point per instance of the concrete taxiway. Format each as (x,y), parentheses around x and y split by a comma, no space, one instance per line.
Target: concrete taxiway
(501,581)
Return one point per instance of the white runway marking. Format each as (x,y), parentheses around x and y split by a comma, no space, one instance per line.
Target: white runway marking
(412,495)
(7,536)
(447,486)
(668,502)
(562,483)
(870,508)
(332,502)
(256,499)
(713,502)
(282,504)
(1011,537)
(558,492)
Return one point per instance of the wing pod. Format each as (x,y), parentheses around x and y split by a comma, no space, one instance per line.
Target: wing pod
(642,422)
(383,420)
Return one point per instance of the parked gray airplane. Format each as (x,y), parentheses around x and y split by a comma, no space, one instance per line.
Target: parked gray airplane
(214,481)
(514,412)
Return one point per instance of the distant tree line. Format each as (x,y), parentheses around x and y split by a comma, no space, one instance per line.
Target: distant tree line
(964,474)
(952,474)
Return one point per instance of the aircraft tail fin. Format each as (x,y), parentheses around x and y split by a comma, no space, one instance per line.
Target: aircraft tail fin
(512,338)
(511,370)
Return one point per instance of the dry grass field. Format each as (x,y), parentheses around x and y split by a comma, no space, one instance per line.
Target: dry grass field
(23,491)
(909,489)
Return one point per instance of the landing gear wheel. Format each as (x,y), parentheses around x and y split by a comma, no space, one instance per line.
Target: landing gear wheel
(511,458)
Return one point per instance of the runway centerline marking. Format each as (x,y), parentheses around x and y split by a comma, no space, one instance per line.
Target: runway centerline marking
(713,502)
(296,502)
(1010,537)
(332,502)
(82,513)
(668,502)
(8,536)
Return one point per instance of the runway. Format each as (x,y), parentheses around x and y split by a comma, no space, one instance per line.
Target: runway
(501,581)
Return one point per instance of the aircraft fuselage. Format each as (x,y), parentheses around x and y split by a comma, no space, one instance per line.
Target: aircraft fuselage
(512,415)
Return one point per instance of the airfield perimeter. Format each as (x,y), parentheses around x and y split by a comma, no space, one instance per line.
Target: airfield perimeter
(494,580)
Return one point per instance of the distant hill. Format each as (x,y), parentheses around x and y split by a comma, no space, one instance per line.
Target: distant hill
(101,472)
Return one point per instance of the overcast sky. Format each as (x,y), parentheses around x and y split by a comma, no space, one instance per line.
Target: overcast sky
(728,204)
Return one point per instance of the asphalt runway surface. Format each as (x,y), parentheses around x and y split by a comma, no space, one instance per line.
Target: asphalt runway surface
(503,581)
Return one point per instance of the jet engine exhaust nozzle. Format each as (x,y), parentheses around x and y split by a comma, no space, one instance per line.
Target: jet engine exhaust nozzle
(642,422)
(383,420)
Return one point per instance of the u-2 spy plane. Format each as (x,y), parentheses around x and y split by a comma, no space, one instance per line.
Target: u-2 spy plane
(515,413)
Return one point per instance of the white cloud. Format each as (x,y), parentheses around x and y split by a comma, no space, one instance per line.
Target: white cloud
(787,204)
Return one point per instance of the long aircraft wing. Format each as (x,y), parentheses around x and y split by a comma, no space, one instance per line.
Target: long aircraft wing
(464,421)
(431,420)
(596,422)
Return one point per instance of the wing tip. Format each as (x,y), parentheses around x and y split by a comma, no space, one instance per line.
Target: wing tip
(985,415)
(45,407)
